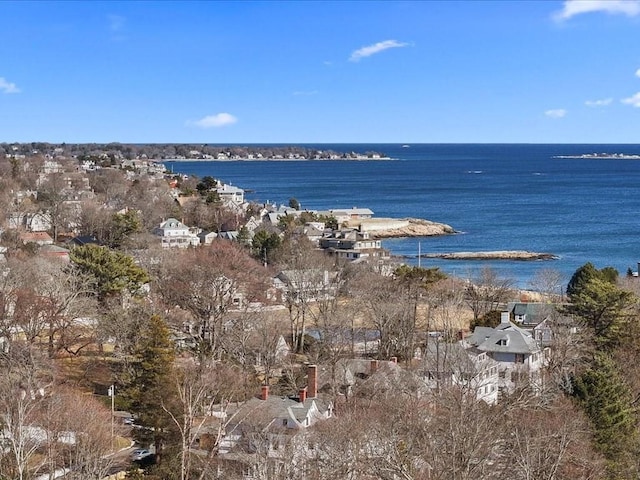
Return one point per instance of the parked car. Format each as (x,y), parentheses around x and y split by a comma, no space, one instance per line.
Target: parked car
(140,454)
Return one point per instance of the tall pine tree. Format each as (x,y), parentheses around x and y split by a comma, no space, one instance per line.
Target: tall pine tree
(148,386)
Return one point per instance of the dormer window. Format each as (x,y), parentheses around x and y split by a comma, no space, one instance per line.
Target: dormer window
(502,342)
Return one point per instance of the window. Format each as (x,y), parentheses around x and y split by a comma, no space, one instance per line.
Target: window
(502,342)
(519,357)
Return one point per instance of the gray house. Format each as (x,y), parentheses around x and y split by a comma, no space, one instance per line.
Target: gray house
(520,357)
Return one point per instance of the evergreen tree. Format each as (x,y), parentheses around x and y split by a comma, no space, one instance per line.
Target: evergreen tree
(124,225)
(602,307)
(608,403)
(586,273)
(112,272)
(148,387)
(264,244)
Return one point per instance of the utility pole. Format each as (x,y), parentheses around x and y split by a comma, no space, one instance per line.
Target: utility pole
(112,393)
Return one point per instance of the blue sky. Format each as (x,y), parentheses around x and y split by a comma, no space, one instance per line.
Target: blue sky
(305,72)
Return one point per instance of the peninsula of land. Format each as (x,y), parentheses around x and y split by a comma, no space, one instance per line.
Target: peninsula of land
(111,154)
(381,228)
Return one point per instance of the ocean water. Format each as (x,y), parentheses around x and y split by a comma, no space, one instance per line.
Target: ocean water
(498,196)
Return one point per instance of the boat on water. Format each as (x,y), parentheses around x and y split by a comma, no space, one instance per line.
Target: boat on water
(406,146)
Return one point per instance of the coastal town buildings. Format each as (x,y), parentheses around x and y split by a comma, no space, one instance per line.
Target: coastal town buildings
(253,332)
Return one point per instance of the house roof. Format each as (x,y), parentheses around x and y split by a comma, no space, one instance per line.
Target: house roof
(172,223)
(226,188)
(454,357)
(386,376)
(42,237)
(533,312)
(347,211)
(269,413)
(505,338)
(54,251)
(83,240)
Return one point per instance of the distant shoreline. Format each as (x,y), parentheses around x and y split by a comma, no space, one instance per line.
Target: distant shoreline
(227,160)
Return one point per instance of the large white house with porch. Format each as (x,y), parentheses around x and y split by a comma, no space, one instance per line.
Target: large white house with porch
(175,234)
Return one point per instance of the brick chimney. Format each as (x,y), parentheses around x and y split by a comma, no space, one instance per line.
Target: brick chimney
(265,392)
(394,359)
(302,394)
(373,367)
(312,381)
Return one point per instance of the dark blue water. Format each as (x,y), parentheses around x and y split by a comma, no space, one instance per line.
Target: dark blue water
(502,197)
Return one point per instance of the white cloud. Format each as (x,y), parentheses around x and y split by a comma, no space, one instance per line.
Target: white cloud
(214,121)
(633,100)
(599,103)
(556,113)
(375,48)
(571,8)
(638,72)
(8,87)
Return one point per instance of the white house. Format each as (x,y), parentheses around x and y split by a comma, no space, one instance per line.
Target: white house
(33,222)
(230,195)
(175,234)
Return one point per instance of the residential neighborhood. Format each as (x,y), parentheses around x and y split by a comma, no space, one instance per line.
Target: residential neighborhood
(208,336)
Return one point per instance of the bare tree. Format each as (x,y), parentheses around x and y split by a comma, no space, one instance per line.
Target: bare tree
(208,283)
(307,276)
(550,283)
(385,310)
(43,299)
(548,443)
(78,429)
(198,391)
(23,385)
(486,292)
(52,196)
(462,437)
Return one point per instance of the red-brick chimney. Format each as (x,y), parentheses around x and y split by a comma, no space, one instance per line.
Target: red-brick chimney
(265,392)
(312,381)
(373,366)
(302,394)
(394,359)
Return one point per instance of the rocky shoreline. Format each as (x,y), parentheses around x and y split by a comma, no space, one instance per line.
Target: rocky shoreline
(381,228)
(497,255)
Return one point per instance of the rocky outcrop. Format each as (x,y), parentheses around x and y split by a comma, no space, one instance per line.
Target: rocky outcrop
(499,255)
(398,228)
